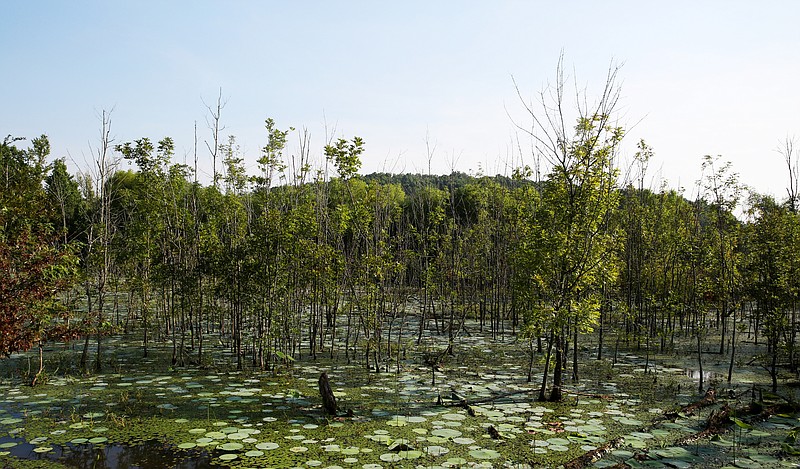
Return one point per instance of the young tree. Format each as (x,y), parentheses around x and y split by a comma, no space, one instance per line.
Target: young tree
(772,272)
(100,260)
(722,192)
(569,254)
(63,190)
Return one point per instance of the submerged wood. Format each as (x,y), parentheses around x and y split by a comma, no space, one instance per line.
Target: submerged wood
(718,422)
(720,419)
(709,398)
(460,401)
(590,457)
(325,391)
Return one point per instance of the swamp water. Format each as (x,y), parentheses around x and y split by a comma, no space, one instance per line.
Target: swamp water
(146,417)
(148,455)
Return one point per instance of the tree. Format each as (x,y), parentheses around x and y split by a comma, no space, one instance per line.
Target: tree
(98,262)
(568,253)
(722,192)
(792,159)
(772,272)
(34,268)
(63,190)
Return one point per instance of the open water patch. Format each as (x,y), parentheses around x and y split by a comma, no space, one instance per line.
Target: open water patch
(151,454)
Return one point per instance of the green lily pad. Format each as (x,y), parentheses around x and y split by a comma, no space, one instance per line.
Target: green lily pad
(484,454)
(231,446)
(747,463)
(622,453)
(677,463)
(446,433)
(558,441)
(436,450)
(390,457)
(410,454)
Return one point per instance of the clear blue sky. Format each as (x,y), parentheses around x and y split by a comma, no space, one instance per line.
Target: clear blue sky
(699,77)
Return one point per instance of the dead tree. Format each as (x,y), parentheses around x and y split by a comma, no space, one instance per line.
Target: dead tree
(328,399)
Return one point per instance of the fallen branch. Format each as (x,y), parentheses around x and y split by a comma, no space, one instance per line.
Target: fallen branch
(718,422)
(460,401)
(606,397)
(590,457)
(710,398)
(463,402)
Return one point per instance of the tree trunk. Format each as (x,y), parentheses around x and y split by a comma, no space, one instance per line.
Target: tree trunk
(558,377)
(700,364)
(733,347)
(41,365)
(543,389)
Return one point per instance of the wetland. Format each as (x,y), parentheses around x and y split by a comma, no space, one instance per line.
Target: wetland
(144,414)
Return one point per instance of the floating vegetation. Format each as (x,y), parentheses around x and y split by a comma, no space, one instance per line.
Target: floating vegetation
(239,419)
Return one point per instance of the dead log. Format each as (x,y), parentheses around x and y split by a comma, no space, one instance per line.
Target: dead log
(590,457)
(325,391)
(710,398)
(605,397)
(759,413)
(718,422)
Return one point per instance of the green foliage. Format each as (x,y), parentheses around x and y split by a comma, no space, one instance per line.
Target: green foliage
(346,156)
(34,268)
(566,254)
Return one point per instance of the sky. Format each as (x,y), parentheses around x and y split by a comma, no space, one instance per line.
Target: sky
(420,81)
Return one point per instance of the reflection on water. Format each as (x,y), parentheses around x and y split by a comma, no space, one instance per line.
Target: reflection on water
(148,455)
(695,374)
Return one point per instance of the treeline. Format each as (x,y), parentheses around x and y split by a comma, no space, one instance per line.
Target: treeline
(292,262)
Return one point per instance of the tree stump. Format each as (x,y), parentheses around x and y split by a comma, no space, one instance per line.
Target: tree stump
(328,399)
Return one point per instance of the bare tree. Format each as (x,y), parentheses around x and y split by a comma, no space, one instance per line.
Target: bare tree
(792,158)
(214,124)
(101,229)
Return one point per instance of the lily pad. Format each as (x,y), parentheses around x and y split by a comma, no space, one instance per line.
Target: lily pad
(484,454)
(267,446)
(436,450)
(446,433)
(390,457)
(231,446)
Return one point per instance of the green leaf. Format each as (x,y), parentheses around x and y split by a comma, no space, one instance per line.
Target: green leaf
(741,424)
